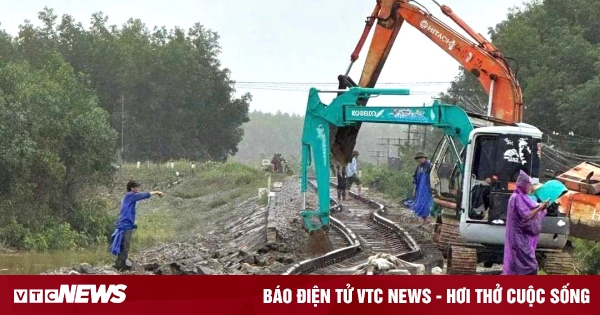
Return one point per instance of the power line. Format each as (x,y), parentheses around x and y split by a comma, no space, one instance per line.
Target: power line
(335,83)
(475,106)
(554,134)
(304,89)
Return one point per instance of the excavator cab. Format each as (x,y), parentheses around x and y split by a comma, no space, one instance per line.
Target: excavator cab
(493,163)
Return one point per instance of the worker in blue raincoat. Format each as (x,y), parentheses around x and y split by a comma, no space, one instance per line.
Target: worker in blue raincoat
(423,200)
(121,238)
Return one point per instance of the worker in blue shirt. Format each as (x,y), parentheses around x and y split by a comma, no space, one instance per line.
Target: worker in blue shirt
(121,238)
(352,173)
(422,188)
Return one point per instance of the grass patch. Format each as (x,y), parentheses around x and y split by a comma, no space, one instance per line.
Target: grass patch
(263,200)
(153,228)
(213,177)
(394,185)
(217,203)
(235,194)
(156,176)
(181,193)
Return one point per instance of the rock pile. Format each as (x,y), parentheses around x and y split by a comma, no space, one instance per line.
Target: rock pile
(268,260)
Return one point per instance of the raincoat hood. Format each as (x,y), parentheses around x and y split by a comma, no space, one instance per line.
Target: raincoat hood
(523,182)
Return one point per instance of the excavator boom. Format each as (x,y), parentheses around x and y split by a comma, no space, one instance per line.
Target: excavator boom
(344,111)
(479,57)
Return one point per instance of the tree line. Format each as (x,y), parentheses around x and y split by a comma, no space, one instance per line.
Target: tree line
(71,97)
(556,45)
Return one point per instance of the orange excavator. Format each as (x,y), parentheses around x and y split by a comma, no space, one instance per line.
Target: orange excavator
(482,59)
(505,107)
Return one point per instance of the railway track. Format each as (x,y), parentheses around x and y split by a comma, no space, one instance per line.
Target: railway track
(358,231)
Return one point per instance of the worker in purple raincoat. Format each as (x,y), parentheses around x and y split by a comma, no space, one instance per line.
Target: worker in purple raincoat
(523,228)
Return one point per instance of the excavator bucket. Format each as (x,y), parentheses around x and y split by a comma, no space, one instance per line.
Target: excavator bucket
(583,211)
(584,178)
(319,243)
(580,204)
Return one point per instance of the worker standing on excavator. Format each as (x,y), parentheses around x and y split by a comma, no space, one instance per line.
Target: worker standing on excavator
(422,188)
(523,228)
(352,173)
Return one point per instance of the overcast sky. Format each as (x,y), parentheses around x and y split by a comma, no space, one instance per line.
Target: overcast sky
(289,41)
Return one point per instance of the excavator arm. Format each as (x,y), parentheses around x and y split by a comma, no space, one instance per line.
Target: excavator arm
(478,56)
(345,111)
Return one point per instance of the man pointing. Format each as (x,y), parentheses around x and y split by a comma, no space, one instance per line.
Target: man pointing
(121,238)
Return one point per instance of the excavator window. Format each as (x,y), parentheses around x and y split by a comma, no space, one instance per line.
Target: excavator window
(484,162)
(447,172)
(497,161)
(514,153)
(483,171)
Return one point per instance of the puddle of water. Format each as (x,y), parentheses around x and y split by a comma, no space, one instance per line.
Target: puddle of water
(38,262)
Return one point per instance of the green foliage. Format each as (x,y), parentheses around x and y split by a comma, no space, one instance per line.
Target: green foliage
(164,89)
(587,254)
(211,177)
(64,89)
(217,203)
(94,219)
(55,145)
(13,234)
(557,45)
(58,237)
(395,185)
(263,200)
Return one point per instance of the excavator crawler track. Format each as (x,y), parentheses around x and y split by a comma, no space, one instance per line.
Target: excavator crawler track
(462,260)
(558,263)
(446,233)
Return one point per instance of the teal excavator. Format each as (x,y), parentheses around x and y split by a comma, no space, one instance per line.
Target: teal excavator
(474,146)
(498,151)
(343,111)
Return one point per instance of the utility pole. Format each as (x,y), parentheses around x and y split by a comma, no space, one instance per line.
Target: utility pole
(414,140)
(387,142)
(377,154)
(122,127)
(424,142)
